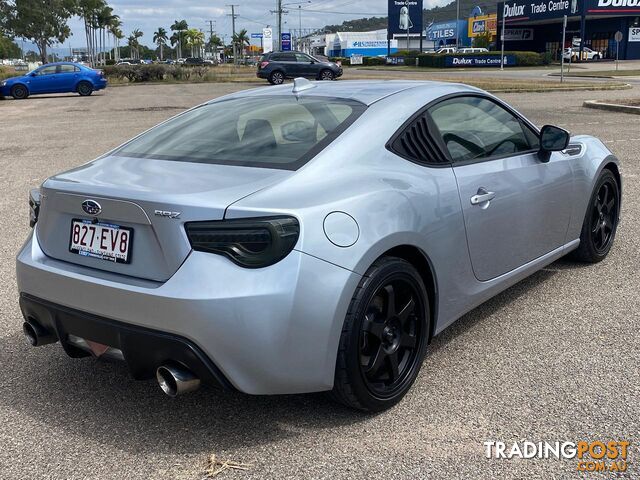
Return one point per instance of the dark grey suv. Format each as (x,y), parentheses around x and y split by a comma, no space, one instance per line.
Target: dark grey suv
(277,66)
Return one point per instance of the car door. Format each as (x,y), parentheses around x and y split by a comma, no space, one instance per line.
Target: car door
(516,202)
(67,76)
(289,63)
(307,67)
(43,80)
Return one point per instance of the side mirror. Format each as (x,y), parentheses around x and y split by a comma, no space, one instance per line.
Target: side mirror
(33,74)
(553,139)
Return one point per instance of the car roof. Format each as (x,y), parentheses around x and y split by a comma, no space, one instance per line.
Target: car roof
(367,92)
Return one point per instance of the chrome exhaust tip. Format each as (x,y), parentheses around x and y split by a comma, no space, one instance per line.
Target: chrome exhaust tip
(175,380)
(36,335)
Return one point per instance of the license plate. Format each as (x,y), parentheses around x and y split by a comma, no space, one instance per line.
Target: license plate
(101,240)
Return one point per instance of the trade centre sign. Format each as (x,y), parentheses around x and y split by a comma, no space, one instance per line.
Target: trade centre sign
(523,10)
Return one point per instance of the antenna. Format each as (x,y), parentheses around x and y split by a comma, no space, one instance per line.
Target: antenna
(301,85)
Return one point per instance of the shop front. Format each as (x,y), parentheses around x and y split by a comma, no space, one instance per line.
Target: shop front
(537,26)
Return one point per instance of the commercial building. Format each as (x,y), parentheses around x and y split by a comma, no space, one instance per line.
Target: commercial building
(368,44)
(446,34)
(537,26)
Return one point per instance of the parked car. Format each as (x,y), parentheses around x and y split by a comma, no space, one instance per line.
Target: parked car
(446,50)
(473,50)
(310,238)
(573,54)
(58,77)
(198,61)
(278,66)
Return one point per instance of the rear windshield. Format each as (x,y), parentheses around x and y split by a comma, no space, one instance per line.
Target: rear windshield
(272,132)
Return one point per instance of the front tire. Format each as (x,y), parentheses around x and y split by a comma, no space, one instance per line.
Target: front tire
(85,89)
(276,78)
(327,75)
(19,92)
(601,221)
(384,337)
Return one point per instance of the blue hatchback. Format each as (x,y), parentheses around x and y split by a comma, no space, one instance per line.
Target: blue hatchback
(58,77)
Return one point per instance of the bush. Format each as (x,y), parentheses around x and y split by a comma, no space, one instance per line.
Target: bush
(374,61)
(154,72)
(523,59)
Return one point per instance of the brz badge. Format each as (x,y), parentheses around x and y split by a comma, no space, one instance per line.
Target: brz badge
(167,214)
(91,207)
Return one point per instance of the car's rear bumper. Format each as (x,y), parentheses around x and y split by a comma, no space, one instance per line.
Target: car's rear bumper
(269,331)
(262,74)
(141,348)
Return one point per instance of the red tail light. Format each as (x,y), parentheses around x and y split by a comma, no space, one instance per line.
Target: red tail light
(264,64)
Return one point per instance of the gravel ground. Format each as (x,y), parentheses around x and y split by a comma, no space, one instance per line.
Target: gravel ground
(554,358)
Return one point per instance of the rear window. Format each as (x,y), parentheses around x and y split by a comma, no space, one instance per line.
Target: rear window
(271,132)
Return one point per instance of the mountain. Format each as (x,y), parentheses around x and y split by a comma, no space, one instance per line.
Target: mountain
(435,14)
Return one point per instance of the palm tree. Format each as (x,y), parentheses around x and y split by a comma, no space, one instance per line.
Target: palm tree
(179,26)
(195,40)
(88,10)
(104,17)
(116,32)
(137,33)
(160,39)
(241,39)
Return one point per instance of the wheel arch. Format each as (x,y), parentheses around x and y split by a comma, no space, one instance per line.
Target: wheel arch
(613,167)
(20,84)
(416,257)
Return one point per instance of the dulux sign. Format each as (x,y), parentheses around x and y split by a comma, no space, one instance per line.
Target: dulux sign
(613,7)
(540,10)
(478,61)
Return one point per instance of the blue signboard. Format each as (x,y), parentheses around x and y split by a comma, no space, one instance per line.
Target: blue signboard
(515,10)
(256,35)
(404,15)
(286,42)
(442,31)
(478,60)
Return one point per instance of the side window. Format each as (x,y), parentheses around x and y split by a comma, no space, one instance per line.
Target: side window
(47,70)
(302,58)
(474,128)
(416,143)
(66,69)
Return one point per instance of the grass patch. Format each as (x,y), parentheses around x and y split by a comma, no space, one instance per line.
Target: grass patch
(605,73)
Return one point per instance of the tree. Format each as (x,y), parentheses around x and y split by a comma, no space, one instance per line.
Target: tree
(116,32)
(160,39)
(482,40)
(44,22)
(179,26)
(241,39)
(89,11)
(9,48)
(195,40)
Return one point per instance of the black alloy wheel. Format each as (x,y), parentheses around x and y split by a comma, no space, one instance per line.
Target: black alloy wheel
(276,78)
(384,337)
(85,89)
(601,220)
(391,331)
(327,75)
(604,215)
(19,92)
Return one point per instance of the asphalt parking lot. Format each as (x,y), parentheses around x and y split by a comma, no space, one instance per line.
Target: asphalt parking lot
(554,358)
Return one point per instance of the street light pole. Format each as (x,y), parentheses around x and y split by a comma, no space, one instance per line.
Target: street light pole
(504,21)
(457,24)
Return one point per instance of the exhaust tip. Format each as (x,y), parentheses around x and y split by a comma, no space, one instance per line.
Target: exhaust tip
(30,334)
(36,335)
(176,380)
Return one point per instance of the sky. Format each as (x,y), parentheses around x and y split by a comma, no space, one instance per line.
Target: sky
(253,15)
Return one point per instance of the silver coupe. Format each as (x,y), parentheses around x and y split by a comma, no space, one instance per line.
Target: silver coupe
(307,237)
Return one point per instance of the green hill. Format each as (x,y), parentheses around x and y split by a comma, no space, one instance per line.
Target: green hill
(436,14)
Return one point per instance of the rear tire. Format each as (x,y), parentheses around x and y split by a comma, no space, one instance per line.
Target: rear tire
(19,92)
(276,78)
(85,89)
(384,337)
(327,75)
(600,222)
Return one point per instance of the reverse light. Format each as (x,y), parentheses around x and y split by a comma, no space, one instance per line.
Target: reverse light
(34,206)
(250,243)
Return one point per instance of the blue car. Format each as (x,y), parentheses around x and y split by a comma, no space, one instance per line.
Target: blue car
(58,77)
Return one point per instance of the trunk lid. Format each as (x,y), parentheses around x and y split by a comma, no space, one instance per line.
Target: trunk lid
(144,195)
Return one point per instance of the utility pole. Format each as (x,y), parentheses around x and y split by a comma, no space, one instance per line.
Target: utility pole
(279,25)
(457,24)
(233,28)
(300,27)
(211,22)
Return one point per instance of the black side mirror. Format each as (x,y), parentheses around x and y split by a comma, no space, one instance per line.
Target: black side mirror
(553,139)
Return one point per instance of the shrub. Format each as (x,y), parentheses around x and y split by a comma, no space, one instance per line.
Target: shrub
(154,72)
(374,61)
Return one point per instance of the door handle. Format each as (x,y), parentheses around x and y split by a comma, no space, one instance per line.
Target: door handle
(482,197)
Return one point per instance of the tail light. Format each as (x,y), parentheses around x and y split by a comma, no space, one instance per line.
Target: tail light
(263,64)
(34,206)
(250,243)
